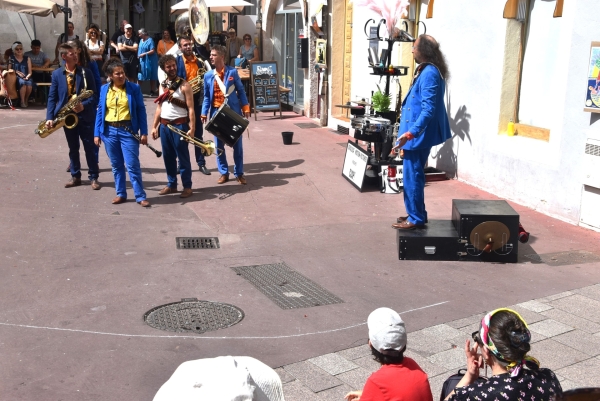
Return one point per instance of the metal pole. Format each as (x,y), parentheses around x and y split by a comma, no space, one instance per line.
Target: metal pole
(66,12)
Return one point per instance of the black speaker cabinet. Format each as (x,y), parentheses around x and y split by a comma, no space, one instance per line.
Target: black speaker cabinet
(489,229)
(437,241)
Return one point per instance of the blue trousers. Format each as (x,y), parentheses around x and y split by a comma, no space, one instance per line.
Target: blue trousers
(85,132)
(238,156)
(199,132)
(123,150)
(414,184)
(173,148)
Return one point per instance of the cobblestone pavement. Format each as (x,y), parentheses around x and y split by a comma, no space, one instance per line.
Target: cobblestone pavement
(565,330)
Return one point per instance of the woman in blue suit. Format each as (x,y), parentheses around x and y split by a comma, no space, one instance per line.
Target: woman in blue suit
(121,112)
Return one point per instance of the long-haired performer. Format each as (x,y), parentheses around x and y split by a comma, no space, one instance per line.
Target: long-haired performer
(68,81)
(122,112)
(174,107)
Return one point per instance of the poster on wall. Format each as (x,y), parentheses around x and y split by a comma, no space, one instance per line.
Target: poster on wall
(321,52)
(592,98)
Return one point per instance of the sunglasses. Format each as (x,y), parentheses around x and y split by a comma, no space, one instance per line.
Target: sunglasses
(93,33)
(18,49)
(247,38)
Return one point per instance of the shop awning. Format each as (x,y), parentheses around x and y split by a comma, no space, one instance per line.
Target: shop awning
(215,6)
(41,8)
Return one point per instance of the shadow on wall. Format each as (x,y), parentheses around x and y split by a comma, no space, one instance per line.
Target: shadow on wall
(460,126)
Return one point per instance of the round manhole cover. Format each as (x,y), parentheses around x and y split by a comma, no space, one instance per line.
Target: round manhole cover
(191,315)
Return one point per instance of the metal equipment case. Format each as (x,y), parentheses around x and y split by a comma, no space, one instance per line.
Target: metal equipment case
(438,241)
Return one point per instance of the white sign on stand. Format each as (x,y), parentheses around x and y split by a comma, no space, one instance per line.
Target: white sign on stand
(355,165)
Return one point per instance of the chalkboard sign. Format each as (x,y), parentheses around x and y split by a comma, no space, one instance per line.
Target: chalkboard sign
(265,86)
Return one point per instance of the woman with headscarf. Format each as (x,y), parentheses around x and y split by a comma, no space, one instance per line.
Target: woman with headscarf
(148,61)
(122,113)
(21,64)
(504,341)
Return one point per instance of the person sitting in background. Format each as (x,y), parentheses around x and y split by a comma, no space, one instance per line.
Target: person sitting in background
(148,60)
(399,378)
(248,50)
(37,56)
(95,46)
(504,341)
(21,64)
(164,44)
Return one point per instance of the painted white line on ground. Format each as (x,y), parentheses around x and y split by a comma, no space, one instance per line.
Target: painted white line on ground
(26,326)
(16,126)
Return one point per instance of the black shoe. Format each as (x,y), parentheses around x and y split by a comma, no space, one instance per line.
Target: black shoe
(204,170)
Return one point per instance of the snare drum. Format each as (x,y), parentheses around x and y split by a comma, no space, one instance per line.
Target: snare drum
(357,122)
(227,125)
(376,124)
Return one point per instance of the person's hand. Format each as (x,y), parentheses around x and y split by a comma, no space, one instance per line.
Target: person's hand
(203,119)
(190,133)
(144,139)
(49,123)
(154,133)
(353,396)
(20,74)
(78,108)
(97,141)
(246,114)
(474,361)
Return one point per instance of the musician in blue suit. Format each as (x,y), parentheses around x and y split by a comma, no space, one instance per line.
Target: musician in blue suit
(424,124)
(214,97)
(67,81)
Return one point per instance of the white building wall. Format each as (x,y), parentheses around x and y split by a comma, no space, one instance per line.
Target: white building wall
(546,176)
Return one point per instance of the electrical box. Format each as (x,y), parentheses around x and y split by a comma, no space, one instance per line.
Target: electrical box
(302,53)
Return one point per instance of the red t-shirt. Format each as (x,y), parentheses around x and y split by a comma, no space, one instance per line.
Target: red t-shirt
(404,382)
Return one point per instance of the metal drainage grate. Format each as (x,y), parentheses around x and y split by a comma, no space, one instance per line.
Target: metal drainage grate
(191,315)
(197,242)
(564,258)
(287,288)
(591,149)
(307,125)
(343,130)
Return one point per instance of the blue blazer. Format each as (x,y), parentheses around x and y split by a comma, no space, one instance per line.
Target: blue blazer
(423,111)
(137,110)
(237,99)
(58,95)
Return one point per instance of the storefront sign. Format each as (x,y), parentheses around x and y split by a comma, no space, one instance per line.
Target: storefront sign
(265,85)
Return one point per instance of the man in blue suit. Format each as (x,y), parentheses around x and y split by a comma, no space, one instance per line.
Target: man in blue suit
(67,81)
(423,124)
(214,97)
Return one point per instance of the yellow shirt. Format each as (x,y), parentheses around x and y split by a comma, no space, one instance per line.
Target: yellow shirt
(117,105)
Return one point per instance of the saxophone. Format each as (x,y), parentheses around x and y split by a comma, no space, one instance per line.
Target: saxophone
(65,116)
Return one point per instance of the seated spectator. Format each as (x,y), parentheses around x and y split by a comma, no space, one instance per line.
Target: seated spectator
(164,44)
(248,51)
(503,339)
(38,59)
(399,378)
(225,378)
(21,64)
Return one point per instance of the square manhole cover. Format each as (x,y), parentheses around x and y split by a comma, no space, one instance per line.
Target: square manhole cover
(564,258)
(197,242)
(286,287)
(307,125)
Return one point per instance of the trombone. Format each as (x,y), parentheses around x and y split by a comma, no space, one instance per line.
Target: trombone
(208,147)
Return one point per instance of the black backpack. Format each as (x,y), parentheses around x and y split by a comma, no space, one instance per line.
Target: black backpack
(452,381)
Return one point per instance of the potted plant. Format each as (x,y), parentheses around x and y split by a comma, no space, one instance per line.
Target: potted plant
(381,104)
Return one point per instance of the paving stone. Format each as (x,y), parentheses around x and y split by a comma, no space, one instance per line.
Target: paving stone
(441,331)
(585,373)
(284,376)
(566,384)
(581,341)
(550,328)
(536,337)
(425,343)
(450,359)
(333,363)
(572,320)
(592,291)
(555,296)
(529,316)
(468,330)
(312,376)
(534,306)
(355,352)
(460,323)
(355,378)
(336,393)
(428,367)
(368,363)
(555,355)
(580,306)
(296,391)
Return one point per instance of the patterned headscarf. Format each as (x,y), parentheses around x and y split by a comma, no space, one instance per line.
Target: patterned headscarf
(514,367)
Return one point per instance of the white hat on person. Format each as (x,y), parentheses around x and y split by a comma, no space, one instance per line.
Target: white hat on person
(386,330)
(128,26)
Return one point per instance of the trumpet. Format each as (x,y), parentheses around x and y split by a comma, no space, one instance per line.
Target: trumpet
(208,147)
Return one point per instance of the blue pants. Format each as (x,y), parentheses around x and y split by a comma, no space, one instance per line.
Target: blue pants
(173,148)
(414,184)
(123,150)
(85,132)
(199,133)
(238,156)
